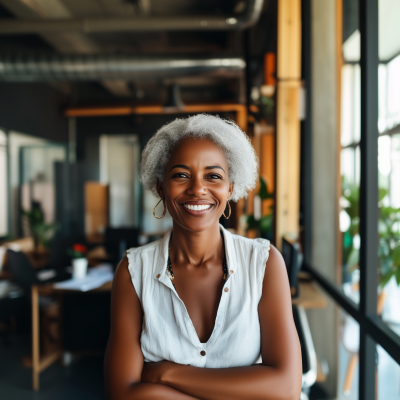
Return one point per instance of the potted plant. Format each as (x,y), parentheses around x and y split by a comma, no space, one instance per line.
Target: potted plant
(41,231)
(389,236)
(263,225)
(79,261)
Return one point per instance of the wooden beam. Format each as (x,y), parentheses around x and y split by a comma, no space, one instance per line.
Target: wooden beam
(287,120)
(240,109)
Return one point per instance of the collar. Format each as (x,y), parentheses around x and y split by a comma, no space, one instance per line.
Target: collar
(163,251)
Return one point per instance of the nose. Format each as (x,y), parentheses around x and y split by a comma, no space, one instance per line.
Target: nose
(196,187)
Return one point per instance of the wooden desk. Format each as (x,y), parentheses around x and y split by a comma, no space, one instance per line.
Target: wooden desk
(310,297)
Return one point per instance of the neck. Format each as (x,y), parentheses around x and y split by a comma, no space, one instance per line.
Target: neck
(196,248)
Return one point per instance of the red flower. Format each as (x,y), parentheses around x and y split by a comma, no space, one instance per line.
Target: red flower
(79,248)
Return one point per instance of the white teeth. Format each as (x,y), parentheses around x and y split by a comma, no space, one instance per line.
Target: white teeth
(197,207)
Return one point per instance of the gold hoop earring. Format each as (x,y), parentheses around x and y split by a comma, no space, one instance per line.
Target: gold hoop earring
(227,217)
(165,210)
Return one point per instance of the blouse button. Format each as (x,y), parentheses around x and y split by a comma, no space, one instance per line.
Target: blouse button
(226,289)
(203,353)
(231,271)
(158,275)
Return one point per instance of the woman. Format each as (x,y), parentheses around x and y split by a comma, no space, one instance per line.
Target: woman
(201,313)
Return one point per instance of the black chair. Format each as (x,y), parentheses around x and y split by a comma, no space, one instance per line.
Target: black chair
(118,240)
(11,305)
(23,272)
(293,260)
(59,258)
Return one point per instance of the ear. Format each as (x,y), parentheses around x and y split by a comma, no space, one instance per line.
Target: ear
(230,191)
(160,189)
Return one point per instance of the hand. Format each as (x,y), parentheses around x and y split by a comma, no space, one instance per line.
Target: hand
(154,372)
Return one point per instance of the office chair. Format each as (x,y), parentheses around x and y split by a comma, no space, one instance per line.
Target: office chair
(118,240)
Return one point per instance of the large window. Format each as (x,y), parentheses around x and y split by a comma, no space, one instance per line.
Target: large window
(369,201)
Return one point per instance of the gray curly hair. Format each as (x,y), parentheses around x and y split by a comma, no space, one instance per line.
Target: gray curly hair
(240,155)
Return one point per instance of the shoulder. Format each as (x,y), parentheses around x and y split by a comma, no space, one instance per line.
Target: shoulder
(275,269)
(147,249)
(259,245)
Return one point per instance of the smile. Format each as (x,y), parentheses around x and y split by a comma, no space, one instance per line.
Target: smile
(199,207)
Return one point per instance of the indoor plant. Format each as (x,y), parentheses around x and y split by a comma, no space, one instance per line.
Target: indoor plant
(264,224)
(79,260)
(41,231)
(389,235)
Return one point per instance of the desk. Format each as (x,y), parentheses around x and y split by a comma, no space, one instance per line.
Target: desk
(310,297)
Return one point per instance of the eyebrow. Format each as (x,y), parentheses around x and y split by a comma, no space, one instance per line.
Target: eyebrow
(186,167)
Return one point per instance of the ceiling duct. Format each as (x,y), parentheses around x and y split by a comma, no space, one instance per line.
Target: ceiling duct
(137,24)
(67,68)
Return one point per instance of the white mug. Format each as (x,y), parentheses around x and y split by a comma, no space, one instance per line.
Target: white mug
(79,268)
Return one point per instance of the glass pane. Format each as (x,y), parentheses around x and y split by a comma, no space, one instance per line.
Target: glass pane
(349,342)
(388,376)
(350,133)
(389,164)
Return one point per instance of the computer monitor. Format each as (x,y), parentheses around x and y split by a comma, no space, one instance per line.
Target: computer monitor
(292,258)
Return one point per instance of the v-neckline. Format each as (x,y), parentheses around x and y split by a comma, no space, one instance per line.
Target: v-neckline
(222,300)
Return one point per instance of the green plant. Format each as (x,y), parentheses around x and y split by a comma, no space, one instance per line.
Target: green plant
(77,251)
(265,109)
(264,224)
(389,235)
(41,231)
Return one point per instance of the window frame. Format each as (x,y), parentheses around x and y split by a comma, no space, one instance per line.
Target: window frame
(373,330)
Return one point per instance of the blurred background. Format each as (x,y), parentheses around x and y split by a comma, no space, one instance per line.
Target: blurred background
(85,84)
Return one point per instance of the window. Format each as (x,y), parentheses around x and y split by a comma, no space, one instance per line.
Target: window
(369,216)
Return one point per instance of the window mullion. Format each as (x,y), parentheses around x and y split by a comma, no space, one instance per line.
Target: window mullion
(368,191)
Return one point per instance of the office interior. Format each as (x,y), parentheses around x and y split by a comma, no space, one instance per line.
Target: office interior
(85,84)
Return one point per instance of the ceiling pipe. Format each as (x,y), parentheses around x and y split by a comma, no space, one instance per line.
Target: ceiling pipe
(138,24)
(67,68)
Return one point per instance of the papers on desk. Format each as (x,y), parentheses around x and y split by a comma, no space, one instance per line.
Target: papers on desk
(95,278)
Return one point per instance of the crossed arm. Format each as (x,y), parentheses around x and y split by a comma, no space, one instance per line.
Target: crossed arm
(278,377)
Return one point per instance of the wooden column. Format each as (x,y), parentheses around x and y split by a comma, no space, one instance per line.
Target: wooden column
(287,119)
(35,338)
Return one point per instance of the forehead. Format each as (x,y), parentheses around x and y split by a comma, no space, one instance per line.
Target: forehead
(191,151)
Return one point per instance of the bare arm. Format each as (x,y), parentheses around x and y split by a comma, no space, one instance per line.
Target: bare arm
(279,375)
(124,359)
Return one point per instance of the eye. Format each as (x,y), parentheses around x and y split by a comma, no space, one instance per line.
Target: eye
(214,176)
(180,175)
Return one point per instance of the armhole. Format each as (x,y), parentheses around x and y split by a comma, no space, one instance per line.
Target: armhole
(135,271)
(263,258)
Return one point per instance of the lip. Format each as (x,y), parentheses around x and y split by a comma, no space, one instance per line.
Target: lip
(197,213)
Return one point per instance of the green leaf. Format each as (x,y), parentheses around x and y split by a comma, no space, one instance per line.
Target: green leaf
(353,258)
(263,192)
(396,256)
(386,278)
(382,194)
(266,223)
(398,276)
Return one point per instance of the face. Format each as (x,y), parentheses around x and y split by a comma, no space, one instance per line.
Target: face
(196,184)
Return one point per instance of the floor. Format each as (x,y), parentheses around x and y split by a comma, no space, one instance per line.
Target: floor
(83,379)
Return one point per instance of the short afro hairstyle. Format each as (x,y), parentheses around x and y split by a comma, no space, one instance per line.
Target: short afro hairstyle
(240,155)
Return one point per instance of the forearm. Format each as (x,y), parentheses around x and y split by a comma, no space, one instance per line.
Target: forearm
(150,391)
(252,383)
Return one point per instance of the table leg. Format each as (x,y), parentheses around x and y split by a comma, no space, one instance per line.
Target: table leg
(35,338)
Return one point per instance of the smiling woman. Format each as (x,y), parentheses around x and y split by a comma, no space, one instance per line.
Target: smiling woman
(201,313)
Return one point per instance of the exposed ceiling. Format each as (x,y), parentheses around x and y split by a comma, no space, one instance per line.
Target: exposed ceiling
(203,42)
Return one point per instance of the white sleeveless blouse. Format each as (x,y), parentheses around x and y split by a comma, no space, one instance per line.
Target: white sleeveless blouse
(168,332)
